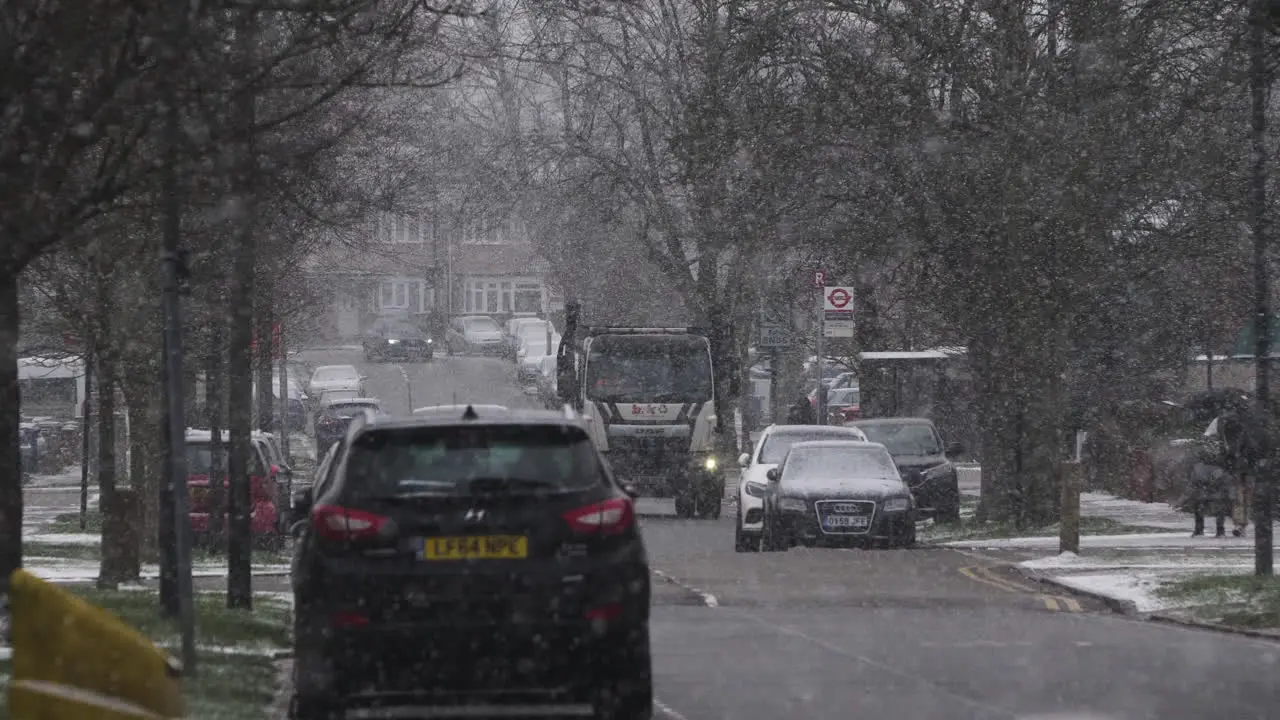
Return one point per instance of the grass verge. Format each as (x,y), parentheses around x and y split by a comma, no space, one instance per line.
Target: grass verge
(236,678)
(971,529)
(69,523)
(1243,601)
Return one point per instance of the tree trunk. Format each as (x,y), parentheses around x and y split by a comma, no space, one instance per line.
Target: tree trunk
(10,457)
(141,464)
(115,536)
(240,418)
(262,362)
(215,414)
(240,298)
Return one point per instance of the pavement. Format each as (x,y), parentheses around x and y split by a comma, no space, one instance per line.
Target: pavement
(934,632)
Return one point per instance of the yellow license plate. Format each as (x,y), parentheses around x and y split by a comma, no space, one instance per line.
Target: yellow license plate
(476,547)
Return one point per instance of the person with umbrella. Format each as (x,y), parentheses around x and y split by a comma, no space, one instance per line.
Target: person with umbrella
(1208,487)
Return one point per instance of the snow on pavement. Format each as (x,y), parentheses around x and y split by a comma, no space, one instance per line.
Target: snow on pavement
(1138,589)
(1138,540)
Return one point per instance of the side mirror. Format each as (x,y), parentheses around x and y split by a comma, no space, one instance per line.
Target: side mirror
(275,469)
(772,474)
(955,449)
(744,460)
(363,378)
(631,490)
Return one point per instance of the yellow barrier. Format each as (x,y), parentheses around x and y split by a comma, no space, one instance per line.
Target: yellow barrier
(74,661)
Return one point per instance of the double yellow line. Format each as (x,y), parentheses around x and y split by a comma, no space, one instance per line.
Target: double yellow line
(1055,603)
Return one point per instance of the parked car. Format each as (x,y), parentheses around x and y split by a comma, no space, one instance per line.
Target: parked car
(396,338)
(514,328)
(501,557)
(334,417)
(546,382)
(327,378)
(532,349)
(924,460)
(475,334)
(265,496)
(837,493)
(844,404)
(770,449)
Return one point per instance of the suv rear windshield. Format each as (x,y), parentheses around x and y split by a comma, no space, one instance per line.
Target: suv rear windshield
(476,459)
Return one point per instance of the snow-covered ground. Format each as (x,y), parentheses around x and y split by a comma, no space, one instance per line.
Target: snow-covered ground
(1130,568)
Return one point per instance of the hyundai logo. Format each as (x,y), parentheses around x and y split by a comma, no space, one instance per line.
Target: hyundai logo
(474,515)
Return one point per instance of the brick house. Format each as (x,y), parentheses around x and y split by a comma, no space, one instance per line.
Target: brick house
(414,267)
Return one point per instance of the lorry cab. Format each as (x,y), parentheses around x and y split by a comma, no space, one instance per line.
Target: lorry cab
(647,395)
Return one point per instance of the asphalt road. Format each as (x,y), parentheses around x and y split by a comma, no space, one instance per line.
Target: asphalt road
(917,635)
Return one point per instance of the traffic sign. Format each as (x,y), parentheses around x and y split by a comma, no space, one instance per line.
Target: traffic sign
(837,298)
(772,335)
(819,279)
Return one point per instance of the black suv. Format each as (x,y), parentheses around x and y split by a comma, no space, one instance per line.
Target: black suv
(924,461)
(477,564)
(397,338)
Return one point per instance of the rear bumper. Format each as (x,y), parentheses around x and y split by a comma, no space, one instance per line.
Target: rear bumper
(553,649)
(536,664)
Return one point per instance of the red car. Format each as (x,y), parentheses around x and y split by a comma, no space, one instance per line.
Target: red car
(844,404)
(265,489)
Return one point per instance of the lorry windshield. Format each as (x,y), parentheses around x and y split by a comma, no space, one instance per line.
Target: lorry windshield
(649,369)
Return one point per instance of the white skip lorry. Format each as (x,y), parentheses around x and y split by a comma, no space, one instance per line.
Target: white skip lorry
(647,395)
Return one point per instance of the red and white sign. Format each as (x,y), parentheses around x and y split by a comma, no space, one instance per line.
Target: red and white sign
(837,298)
(819,279)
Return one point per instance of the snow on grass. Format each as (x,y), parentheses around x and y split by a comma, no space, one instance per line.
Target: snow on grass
(1139,589)
(86,539)
(1175,562)
(1181,540)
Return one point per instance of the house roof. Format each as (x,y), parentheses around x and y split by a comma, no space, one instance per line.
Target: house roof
(498,260)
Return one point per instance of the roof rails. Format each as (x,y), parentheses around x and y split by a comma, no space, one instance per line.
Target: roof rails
(606,330)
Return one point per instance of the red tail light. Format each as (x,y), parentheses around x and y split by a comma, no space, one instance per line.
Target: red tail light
(350,619)
(610,517)
(605,612)
(339,523)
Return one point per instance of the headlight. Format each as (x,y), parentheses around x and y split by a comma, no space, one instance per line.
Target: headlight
(710,463)
(897,504)
(791,504)
(429,341)
(392,341)
(755,489)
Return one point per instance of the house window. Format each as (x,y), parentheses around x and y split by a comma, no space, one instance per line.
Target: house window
(395,295)
(528,298)
(348,303)
(506,297)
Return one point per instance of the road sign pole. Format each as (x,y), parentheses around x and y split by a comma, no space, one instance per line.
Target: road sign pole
(818,404)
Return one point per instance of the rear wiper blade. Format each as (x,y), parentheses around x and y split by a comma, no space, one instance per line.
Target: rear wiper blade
(416,495)
(497,485)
